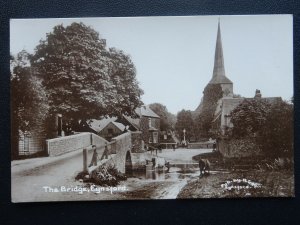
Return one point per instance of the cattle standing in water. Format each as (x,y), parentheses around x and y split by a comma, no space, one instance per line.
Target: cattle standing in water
(204,165)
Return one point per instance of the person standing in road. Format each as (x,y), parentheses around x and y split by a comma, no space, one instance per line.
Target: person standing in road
(214,146)
(94,157)
(105,153)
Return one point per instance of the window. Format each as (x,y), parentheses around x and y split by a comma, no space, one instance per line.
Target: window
(149,121)
(155,137)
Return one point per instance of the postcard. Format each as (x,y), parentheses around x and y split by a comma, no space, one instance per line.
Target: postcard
(169,107)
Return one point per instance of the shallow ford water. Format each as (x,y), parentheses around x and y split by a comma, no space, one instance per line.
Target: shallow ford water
(176,171)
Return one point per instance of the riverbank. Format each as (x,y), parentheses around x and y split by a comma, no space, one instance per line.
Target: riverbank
(239,184)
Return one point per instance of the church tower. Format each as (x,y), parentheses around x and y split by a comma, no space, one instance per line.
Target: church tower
(219,76)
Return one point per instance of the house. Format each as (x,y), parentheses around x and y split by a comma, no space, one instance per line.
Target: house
(145,120)
(222,119)
(112,129)
(149,124)
(31,144)
(168,139)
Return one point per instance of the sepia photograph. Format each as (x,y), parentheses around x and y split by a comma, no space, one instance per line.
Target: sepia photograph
(165,107)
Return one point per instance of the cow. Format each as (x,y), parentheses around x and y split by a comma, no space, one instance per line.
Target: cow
(204,165)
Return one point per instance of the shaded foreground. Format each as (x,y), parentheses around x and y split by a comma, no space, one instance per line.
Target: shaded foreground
(272,184)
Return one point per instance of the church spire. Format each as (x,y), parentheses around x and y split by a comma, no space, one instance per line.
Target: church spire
(219,69)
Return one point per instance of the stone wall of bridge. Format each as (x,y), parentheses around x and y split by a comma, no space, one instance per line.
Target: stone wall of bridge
(62,145)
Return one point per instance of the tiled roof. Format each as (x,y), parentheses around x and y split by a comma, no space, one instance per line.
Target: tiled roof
(120,126)
(146,111)
(98,125)
(133,121)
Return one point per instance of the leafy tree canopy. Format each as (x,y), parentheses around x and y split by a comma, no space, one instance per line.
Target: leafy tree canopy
(167,119)
(85,80)
(28,97)
(271,125)
(185,121)
(29,106)
(249,117)
(211,94)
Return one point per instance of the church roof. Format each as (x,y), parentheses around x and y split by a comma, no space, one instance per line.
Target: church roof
(219,69)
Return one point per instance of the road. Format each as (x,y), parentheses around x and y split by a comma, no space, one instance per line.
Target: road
(31,175)
(28,177)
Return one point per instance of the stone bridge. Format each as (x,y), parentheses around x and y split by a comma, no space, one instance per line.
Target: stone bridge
(125,152)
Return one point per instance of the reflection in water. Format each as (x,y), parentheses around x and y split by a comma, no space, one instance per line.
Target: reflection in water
(176,171)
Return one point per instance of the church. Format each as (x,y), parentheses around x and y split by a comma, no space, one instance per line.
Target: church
(229,100)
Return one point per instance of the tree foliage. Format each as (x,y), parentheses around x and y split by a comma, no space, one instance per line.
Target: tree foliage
(29,106)
(84,79)
(125,92)
(277,135)
(185,121)
(211,94)
(249,117)
(271,125)
(167,119)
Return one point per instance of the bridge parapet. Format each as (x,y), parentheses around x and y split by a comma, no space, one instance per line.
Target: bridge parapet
(121,143)
(124,151)
(61,145)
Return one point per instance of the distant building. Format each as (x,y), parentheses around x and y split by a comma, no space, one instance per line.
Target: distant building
(145,120)
(112,129)
(226,105)
(219,76)
(149,125)
(31,143)
(228,102)
(168,139)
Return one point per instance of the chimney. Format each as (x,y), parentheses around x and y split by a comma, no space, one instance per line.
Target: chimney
(257,94)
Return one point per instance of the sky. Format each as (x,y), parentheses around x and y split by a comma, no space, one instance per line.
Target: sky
(174,56)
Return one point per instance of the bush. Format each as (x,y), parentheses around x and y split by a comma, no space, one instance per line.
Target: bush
(107,175)
(243,147)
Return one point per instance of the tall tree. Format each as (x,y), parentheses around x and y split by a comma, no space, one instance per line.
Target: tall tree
(277,135)
(211,94)
(29,106)
(84,79)
(125,93)
(271,125)
(249,117)
(185,122)
(167,119)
